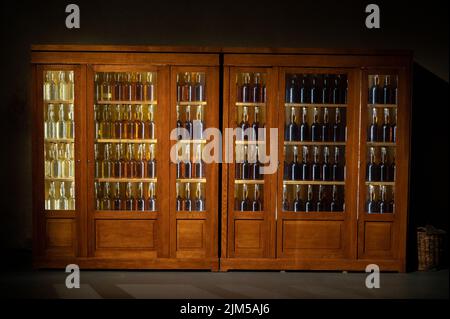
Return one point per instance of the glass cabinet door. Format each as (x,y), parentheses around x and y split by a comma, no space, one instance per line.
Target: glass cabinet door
(59,139)
(125,147)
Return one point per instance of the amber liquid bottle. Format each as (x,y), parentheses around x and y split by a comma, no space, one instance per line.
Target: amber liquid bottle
(139,87)
(117,87)
(244,205)
(316,127)
(97,158)
(117,201)
(139,127)
(130,164)
(303,129)
(118,123)
(106,200)
(372,134)
(187,200)
(128,123)
(106,87)
(107,164)
(244,125)
(372,171)
(123,161)
(372,205)
(140,163)
(149,129)
(316,165)
(310,205)
(151,199)
(129,197)
(292,128)
(305,166)
(256,203)
(127,88)
(140,200)
(298,203)
(295,168)
(149,88)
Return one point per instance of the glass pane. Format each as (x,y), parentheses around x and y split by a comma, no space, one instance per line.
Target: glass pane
(125,149)
(250,110)
(381,143)
(191,106)
(59,134)
(314,142)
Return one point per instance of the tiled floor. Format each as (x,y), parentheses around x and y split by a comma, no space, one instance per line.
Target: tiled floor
(192,285)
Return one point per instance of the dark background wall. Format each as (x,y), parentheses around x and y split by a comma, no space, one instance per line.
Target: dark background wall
(422,28)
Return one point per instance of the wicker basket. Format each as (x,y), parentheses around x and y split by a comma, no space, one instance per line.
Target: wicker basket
(430,245)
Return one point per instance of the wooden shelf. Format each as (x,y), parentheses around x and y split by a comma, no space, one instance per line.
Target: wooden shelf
(313,182)
(313,215)
(126,180)
(138,141)
(127,102)
(191,180)
(192,141)
(248,215)
(191,103)
(239,142)
(191,214)
(60,213)
(125,214)
(58,101)
(60,179)
(306,143)
(314,105)
(250,104)
(59,140)
(381,144)
(249,181)
(382,105)
(380,183)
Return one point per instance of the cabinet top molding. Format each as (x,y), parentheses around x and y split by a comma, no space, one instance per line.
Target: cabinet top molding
(206,49)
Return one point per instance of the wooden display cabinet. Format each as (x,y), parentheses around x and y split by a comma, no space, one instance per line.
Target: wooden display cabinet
(287,235)
(122,185)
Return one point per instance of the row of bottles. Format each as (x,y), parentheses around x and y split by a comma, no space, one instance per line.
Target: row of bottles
(247,164)
(61,127)
(125,160)
(386,94)
(382,171)
(314,88)
(190,167)
(59,86)
(184,199)
(125,86)
(124,121)
(59,160)
(249,131)
(320,168)
(125,196)
(254,204)
(387,131)
(251,88)
(321,128)
(191,87)
(315,200)
(60,196)
(187,127)
(379,204)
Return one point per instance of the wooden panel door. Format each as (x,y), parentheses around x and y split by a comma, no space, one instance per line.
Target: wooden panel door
(316,203)
(59,161)
(128,175)
(384,157)
(251,211)
(194,111)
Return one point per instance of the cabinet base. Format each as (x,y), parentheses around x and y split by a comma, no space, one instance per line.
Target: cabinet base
(308,264)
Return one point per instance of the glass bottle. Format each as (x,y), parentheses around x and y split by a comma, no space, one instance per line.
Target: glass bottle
(150,124)
(295,166)
(325,126)
(127,88)
(316,165)
(118,123)
(244,125)
(188,124)
(149,88)
(97,121)
(298,203)
(50,202)
(291,89)
(107,164)
(117,87)
(139,87)
(199,89)
(336,97)
(286,205)
(53,87)
(97,197)
(374,91)
(386,129)
(179,125)
(187,162)
(257,89)
(63,87)
(314,91)
(255,126)
(106,88)
(245,165)
(394,127)
(383,166)
(286,167)
(61,160)
(291,128)
(140,163)
(316,127)
(387,90)
(384,204)
(310,205)
(179,89)
(117,200)
(305,166)
(130,164)
(50,125)
(322,204)
(140,200)
(199,165)
(71,84)
(303,129)
(256,165)
(129,197)
(70,124)
(392,170)
(188,88)
(337,169)
(98,162)
(47,86)
(69,165)
(245,202)
(187,200)
(151,197)
(106,200)
(179,199)
(61,127)
(372,135)
(54,161)
(199,203)
(63,200)
(372,206)
(106,124)
(326,90)
(139,127)
(151,162)
(245,89)
(123,162)
(338,128)
(71,198)
(97,87)
(335,205)
(256,203)
(303,91)
(197,130)
(115,159)
(128,127)
(48,161)
(372,172)
(179,165)
(326,167)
